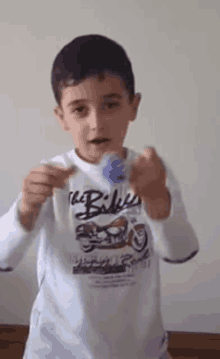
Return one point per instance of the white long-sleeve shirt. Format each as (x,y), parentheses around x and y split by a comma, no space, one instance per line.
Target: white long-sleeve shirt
(98,266)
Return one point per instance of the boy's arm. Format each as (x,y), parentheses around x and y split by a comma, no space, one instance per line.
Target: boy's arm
(15,239)
(174,237)
(17,234)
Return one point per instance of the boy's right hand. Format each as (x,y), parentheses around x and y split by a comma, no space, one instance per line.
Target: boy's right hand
(38,186)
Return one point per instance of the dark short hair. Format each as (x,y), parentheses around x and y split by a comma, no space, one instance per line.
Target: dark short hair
(90,55)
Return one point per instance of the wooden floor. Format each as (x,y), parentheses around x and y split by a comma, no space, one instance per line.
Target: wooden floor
(181,344)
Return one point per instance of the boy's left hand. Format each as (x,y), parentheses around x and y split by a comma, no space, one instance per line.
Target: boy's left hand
(148,181)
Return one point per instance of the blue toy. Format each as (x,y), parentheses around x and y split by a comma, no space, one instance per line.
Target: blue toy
(114,169)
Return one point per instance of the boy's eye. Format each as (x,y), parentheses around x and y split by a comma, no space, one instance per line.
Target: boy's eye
(112,104)
(79,109)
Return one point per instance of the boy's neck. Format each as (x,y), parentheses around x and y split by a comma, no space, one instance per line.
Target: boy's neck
(124,155)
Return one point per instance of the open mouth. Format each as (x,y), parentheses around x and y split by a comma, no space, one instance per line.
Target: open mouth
(100,141)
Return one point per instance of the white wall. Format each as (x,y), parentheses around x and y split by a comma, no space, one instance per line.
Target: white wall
(173,46)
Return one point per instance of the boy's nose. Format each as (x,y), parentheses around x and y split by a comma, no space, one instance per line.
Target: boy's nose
(96,122)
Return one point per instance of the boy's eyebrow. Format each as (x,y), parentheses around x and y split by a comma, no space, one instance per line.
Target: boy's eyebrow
(110,95)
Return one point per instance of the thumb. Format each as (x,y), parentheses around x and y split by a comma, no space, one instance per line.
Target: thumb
(149,153)
(70,170)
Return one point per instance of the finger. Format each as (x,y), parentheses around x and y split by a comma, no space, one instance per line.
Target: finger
(135,188)
(38,188)
(58,171)
(149,153)
(69,171)
(140,164)
(135,172)
(44,179)
(151,156)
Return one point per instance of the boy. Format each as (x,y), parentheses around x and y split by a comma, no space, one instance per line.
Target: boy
(98,259)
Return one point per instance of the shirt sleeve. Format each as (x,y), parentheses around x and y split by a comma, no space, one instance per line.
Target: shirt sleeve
(15,240)
(174,238)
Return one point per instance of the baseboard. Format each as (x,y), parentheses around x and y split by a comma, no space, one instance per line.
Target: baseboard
(190,340)
(14,333)
(177,340)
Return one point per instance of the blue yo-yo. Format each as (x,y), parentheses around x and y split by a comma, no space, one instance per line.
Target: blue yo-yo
(113,168)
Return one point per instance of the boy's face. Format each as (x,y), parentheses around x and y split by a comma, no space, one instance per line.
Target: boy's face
(97,109)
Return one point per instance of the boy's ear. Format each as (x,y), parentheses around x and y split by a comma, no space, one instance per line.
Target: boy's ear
(137,100)
(58,113)
(135,104)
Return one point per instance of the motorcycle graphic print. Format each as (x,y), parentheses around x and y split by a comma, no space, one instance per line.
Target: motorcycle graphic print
(115,235)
